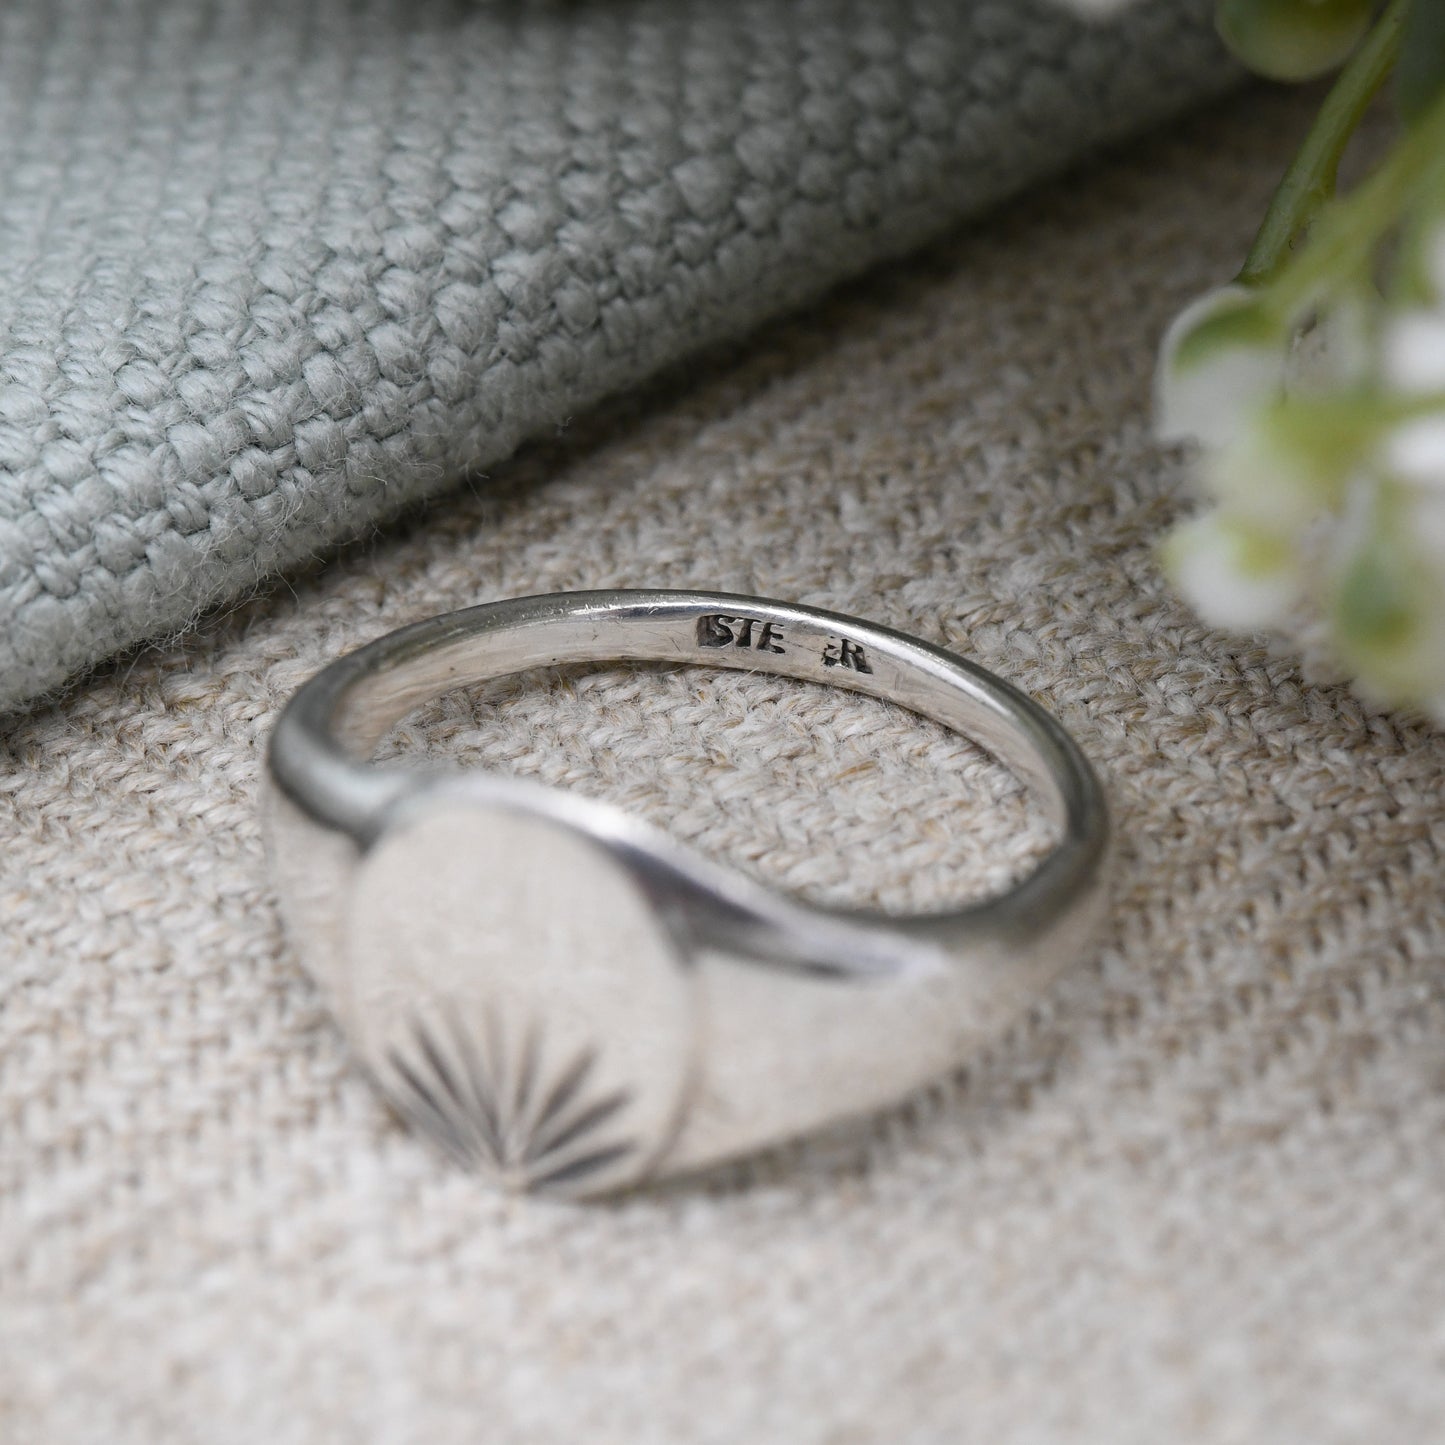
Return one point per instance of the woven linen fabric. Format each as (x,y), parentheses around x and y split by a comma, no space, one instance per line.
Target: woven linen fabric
(271,268)
(1195,1197)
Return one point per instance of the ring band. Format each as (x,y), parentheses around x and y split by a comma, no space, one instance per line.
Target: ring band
(565,996)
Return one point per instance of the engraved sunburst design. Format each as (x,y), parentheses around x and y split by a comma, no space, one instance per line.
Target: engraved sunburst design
(506,1106)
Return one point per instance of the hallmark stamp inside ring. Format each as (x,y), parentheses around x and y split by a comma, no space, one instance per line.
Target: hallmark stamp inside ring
(564,997)
(719,630)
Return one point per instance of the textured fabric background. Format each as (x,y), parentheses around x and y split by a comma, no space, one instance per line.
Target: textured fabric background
(270,268)
(1195,1198)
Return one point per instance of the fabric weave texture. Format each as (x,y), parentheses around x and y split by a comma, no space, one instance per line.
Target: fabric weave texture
(272,269)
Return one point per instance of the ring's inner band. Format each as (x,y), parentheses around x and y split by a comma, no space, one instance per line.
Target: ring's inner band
(338,718)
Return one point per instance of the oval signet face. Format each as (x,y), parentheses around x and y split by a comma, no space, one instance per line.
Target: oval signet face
(516,998)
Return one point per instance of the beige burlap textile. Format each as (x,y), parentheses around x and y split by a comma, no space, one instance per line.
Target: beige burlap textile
(1197,1197)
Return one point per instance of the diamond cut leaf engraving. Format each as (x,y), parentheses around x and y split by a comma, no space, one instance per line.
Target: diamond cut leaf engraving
(516,997)
(507,1109)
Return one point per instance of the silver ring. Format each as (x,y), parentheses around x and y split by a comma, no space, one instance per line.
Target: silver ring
(566,997)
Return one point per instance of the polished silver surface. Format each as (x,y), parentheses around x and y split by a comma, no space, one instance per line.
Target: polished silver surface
(569,998)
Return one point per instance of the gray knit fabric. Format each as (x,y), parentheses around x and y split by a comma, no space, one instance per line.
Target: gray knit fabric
(270,269)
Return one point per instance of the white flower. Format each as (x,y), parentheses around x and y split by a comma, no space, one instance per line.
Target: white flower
(1234,576)
(1336,349)
(1413,352)
(1257,477)
(1415,451)
(1413,455)
(1387,585)
(1221,360)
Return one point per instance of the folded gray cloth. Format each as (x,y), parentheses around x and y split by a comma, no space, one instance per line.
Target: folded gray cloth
(273,268)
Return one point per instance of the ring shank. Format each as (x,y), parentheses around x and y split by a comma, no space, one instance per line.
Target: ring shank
(338,718)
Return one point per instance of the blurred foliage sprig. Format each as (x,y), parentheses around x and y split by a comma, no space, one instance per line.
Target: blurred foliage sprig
(1314,383)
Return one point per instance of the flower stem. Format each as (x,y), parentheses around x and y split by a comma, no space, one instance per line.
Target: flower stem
(1310,180)
(1340,245)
